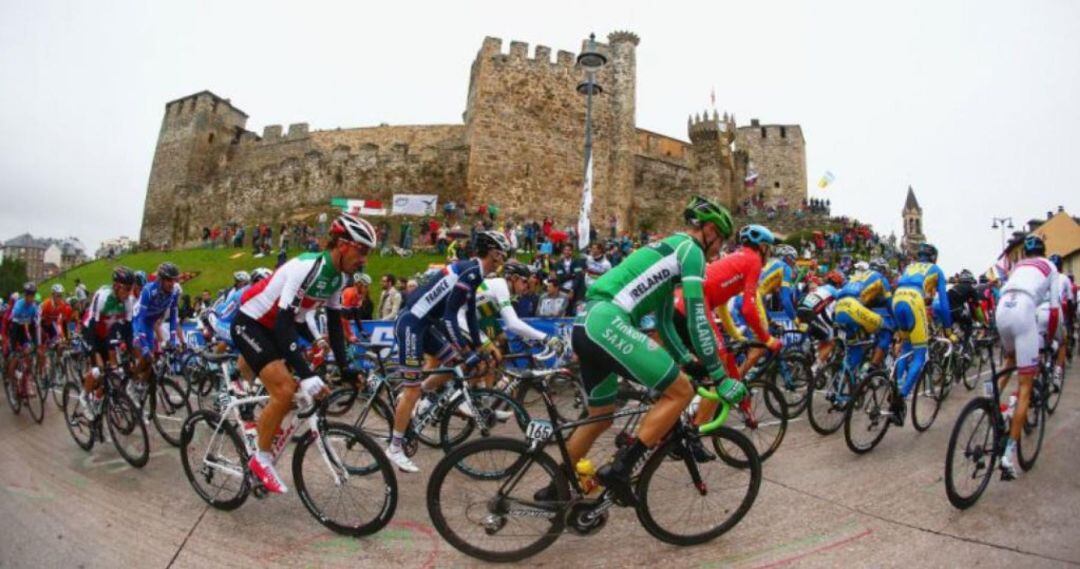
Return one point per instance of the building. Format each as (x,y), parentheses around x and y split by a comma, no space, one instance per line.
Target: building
(913,226)
(519,146)
(115,246)
(1060,231)
(31,251)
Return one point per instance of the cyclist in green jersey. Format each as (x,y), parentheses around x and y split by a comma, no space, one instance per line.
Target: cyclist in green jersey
(609,342)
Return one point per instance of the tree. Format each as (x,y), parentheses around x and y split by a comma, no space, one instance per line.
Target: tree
(12,276)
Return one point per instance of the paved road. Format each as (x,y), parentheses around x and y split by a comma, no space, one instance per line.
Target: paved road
(820,506)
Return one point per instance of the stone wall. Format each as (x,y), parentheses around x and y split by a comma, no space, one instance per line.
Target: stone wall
(778,153)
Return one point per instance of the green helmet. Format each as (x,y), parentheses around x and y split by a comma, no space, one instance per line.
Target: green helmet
(701,210)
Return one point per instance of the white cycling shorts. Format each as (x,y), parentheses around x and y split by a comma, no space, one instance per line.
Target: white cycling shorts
(1043,315)
(1019,329)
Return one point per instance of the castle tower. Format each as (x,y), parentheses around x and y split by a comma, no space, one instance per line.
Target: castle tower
(778,152)
(912,215)
(713,161)
(196,136)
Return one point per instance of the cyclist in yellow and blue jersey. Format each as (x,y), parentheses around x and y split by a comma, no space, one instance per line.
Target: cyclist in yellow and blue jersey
(863,304)
(778,279)
(921,282)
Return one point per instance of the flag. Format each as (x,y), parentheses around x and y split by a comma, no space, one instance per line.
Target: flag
(1003,266)
(586,205)
(751,178)
(712,97)
(826,179)
(359,207)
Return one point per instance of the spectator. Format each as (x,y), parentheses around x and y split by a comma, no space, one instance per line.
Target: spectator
(358,297)
(389,298)
(525,304)
(410,286)
(185,310)
(282,256)
(571,274)
(596,264)
(554,301)
(80,291)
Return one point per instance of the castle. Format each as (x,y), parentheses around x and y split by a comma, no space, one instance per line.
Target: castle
(520,146)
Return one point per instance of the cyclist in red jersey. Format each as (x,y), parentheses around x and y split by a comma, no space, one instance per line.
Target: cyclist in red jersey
(55,314)
(734,274)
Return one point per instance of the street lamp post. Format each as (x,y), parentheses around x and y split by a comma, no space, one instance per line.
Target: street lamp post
(591,61)
(1003,223)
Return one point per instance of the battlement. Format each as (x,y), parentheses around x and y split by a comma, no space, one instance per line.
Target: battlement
(702,127)
(623,36)
(201,100)
(541,54)
(773,132)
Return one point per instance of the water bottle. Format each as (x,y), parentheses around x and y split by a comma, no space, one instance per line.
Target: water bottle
(586,474)
(251,434)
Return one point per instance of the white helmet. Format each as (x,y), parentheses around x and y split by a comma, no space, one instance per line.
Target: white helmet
(241,276)
(260,274)
(862,266)
(488,240)
(58,288)
(785,250)
(362,278)
(354,229)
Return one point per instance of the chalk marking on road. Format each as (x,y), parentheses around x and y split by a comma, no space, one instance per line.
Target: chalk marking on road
(34,493)
(817,550)
(188,536)
(783,548)
(334,545)
(114,465)
(920,528)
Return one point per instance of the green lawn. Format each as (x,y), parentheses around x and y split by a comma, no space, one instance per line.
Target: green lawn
(216,266)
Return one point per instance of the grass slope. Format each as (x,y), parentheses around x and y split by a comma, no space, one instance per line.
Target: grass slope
(215,267)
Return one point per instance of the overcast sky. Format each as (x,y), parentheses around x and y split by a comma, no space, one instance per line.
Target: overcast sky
(974,104)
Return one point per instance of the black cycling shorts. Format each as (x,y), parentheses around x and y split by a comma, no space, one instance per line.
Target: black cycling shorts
(255,342)
(819,324)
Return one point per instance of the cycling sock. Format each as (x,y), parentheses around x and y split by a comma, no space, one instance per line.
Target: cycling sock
(1010,447)
(396,439)
(630,456)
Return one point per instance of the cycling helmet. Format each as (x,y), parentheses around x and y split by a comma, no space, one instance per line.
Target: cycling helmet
(516,269)
(965,277)
(260,274)
(862,266)
(362,278)
(58,288)
(1057,261)
(241,277)
(168,271)
(354,229)
(1034,245)
(701,210)
(785,251)
(927,253)
(29,289)
(835,278)
(880,265)
(488,240)
(756,235)
(140,278)
(123,275)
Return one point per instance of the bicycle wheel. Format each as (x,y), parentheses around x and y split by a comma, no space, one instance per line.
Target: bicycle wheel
(943,373)
(684,502)
(764,424)
(1053,395)
(12,395)
(496,519)
(926,397)
(214,460)
(793,378)
(566,392)
(971,457)
(127,429)
(35,391)
(828,399)
(867,417)
(971,379)
(496,414)
(57,379)
(1030,443)
(349,486)
(170,409)
(79,425)
(367,412)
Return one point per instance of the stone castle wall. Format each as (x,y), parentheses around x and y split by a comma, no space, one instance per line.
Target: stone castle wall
(778,153)
(521,147)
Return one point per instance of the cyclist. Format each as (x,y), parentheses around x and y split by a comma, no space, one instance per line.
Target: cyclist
(609,342)
(964,302)
(265,329)
(156,302)
(428,334)
(1043,311)
(218,321)
(1031,282)
(778,280)
(863,304)
(493,302)
(915,294)
(106,319)
(24,324)
(55,314)
(816,311)
(775,290)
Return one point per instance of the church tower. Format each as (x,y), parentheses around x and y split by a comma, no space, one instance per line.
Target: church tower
(913,233)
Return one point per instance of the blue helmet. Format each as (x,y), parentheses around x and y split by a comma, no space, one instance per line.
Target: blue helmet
(140,278)
(1034,245)
(1057,261)
(756,235)
(927,253)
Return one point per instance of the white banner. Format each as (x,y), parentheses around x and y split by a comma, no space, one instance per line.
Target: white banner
(414,204)
(586,205)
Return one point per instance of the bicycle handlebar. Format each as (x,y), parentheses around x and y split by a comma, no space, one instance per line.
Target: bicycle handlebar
(725,407)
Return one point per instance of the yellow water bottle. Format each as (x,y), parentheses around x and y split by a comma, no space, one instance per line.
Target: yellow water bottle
(586,473)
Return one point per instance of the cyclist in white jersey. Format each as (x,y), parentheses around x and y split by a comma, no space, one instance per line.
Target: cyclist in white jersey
(1065,287)
(1032,281)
